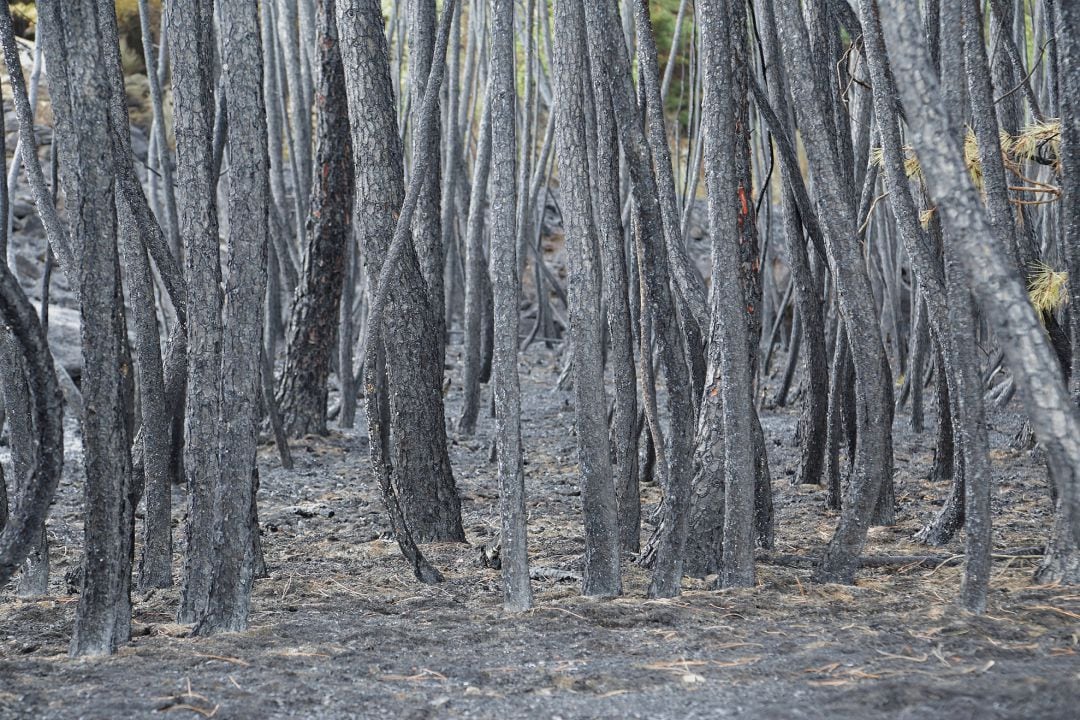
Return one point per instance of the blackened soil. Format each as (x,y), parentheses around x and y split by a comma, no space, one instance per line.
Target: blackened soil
(341,630)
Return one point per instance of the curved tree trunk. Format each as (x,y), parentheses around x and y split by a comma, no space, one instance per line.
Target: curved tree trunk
(1062,563)
(873,418)
(992,275)
(25,515)
(421,466)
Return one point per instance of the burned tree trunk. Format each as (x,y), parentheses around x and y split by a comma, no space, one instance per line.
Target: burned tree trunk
(1062,563)
(992,275)
(25,514)
(422,474)
(612,239)
(76,73)
(506,286)
(245,290)
(601,575)
(314,322)
(729,376)
(873,418)
(190,24)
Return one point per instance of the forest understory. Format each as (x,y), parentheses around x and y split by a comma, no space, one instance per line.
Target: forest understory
(341,629)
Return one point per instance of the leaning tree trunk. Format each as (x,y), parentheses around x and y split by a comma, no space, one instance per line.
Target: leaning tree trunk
(610,62)
(139,230)
(18,412)
(1062,563)
(25,515)
(1000,292)
(873,454)
(814,417)
(427,232)
(29,375)
(314,322)
(950,315)
(421,464)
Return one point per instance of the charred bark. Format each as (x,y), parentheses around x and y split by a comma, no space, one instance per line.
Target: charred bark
(314,322)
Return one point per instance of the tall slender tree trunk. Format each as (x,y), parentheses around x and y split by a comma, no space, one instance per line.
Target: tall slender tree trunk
(601,575)
(609,61)
(427,232)
(476,274)
(610,232)
(190,24)
(517,595)
(76,73)
(729,375)
(245,290)
(814,417)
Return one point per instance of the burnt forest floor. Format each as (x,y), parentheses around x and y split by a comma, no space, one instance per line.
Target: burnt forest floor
(341,630)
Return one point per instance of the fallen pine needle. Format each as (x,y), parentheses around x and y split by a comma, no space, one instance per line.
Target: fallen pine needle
(1051,608)
(912,658)
(201,711)
(222,658)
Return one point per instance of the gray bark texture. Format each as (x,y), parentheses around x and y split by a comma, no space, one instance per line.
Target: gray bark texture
(314,322)
(77,74)
(950,314)
(612,239)
(808,300)
(25,516)
(728,378)
(139,230)
(610,65)
(405,335)
(427,232)
(506,286)
(190,24)
(687,280)
(16,385)
(18,413)
(998,288)
(836,203)
(422,474)
(1062,563)
(299,111)
(476,270)
(601,576)
(245,289)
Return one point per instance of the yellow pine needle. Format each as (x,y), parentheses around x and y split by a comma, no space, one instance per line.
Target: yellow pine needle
(1047,288)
